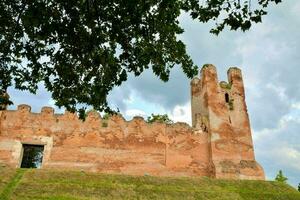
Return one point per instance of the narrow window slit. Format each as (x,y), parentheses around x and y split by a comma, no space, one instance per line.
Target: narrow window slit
(226,97)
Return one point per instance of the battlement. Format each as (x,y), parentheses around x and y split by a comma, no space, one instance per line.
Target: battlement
(208,83)
(209,75)
(107,145)
(92,117)
(219,107)
(218,144)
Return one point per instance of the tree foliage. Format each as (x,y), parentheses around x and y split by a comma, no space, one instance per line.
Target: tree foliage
(81,49)
(280,177)
(299,187)
(159,118)
(4,100)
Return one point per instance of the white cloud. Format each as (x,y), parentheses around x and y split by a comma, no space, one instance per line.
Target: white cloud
(296,105)
(269,57)
(296,8)
(181,113)
(135,112)
(279,90)
(278,148)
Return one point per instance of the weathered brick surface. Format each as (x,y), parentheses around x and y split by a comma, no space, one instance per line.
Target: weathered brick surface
(227,122)
(219,143)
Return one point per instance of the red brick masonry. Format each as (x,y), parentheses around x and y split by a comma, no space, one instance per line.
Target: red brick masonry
(219,143)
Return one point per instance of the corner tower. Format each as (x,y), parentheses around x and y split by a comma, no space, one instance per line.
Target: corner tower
(219,108)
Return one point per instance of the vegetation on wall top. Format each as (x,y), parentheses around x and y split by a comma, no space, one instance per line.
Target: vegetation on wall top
(159,118)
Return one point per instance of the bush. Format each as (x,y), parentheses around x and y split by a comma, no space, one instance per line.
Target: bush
(280,177)
(159,118)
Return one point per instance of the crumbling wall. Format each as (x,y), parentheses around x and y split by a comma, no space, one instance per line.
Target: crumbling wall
(110,146)
(232,153)
(219,143)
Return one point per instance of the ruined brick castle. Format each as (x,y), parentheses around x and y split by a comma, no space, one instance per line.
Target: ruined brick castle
(219,143)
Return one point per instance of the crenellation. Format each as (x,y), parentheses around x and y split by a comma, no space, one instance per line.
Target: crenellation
(47,110)
(23,108)
(209,67)
(93,116)
(209,77)
(234,75)
(228,123)
(235,78)
(218,144)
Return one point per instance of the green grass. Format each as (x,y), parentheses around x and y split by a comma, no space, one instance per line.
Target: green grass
(75,185)
(9,188)
(6,174)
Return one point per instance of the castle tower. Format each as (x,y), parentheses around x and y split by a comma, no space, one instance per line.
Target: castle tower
(219,108)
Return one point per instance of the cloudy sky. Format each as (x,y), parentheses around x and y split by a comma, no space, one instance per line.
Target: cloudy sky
(269,55)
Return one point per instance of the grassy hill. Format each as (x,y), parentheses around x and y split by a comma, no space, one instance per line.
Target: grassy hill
(23,184)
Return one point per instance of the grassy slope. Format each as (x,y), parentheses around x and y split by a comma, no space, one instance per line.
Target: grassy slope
(11,184)
(5,176)
(70,185)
